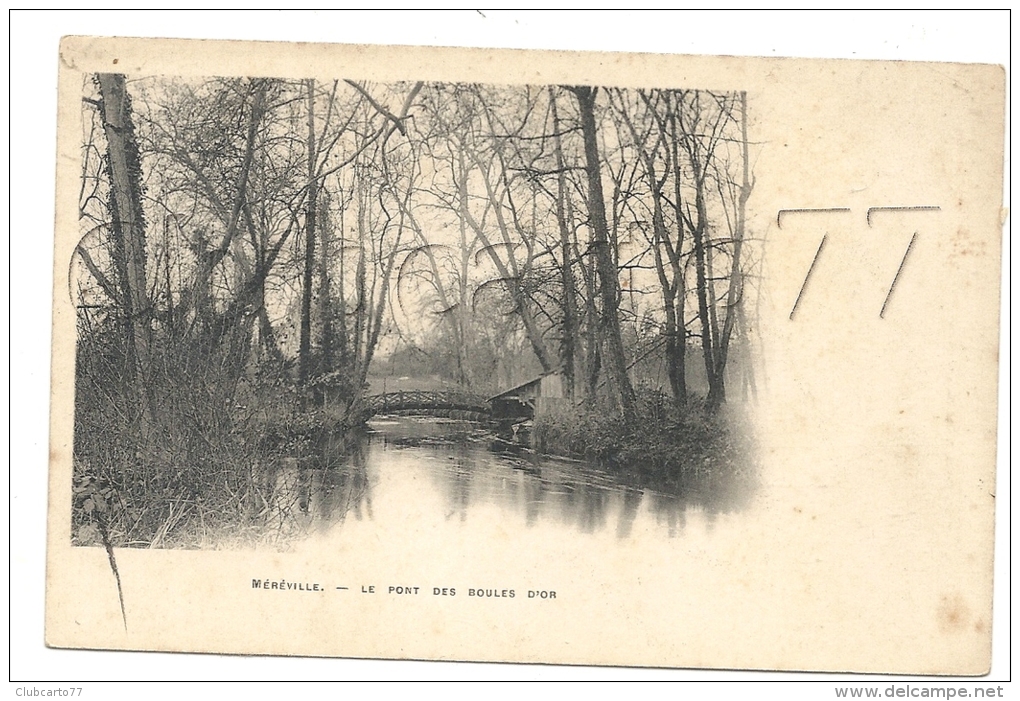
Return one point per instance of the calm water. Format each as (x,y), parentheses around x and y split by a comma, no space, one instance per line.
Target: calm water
(415,472)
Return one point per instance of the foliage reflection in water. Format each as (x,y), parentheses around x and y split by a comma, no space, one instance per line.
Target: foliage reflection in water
(465,468)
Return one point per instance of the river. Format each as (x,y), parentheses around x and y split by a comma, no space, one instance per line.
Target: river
(413,472)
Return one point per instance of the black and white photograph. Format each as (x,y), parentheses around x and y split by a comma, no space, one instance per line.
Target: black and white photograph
(297,299)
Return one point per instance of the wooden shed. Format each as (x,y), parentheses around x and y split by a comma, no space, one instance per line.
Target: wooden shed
(529,398)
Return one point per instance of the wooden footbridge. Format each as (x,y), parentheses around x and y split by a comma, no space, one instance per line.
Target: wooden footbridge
(433,402)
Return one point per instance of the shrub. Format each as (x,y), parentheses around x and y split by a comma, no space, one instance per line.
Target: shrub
(659,439)
(191,467)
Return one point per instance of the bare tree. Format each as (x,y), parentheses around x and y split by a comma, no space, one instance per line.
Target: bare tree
(128,228)
(607,271)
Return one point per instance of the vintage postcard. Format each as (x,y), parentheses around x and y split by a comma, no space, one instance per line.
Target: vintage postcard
(550,357)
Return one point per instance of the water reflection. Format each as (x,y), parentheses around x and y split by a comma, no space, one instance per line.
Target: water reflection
(321,485)
(466,469)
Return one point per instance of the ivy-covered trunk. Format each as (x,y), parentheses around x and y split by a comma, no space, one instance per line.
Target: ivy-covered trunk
(128,229)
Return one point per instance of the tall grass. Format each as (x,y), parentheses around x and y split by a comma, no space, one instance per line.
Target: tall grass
(660,444)
(193,470)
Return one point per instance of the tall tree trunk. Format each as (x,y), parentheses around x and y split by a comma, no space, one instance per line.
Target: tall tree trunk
(674,326)
(715,392)
(591,359)
(266,333)
(342,338)
(305,343)
(128,224)
(374,324)
(325,291)
(678,352)
(463,315)
(734,296)
(360,303)
(713,299)
(715,395)
(569,342)
(608,277)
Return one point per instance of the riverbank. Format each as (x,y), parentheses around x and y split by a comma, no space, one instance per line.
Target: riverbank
(660,442)
(246,478)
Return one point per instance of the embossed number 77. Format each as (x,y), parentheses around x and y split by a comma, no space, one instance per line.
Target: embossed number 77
(871,212)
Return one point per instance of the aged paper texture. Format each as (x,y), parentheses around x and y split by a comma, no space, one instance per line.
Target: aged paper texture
(850,250)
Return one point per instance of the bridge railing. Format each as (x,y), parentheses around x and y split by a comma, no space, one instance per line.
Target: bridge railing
(424,400)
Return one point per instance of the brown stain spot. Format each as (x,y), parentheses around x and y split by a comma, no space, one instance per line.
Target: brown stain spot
(906,453)
(952,614)
(979,626)
(963,244)
(116,61)
(798,510)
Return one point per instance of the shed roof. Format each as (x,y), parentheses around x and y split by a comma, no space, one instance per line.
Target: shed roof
(524,385)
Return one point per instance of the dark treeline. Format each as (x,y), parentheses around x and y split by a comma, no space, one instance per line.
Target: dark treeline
(251,246)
